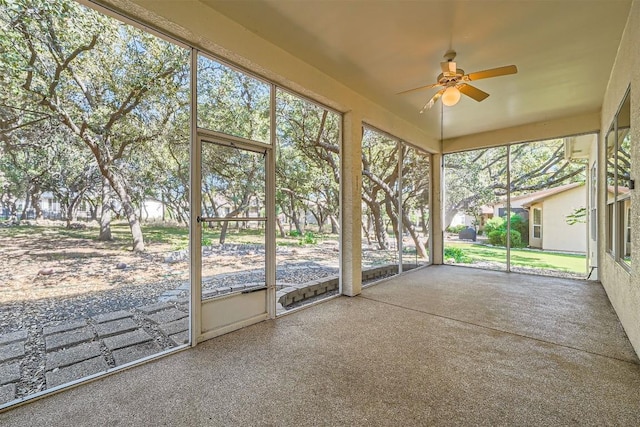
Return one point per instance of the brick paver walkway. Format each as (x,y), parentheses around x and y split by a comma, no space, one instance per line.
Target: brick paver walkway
(62,352)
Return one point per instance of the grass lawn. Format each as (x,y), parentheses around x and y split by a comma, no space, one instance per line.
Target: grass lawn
(155,233)
(524,257)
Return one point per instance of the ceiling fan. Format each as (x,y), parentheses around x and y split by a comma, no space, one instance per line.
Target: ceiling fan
(453,81)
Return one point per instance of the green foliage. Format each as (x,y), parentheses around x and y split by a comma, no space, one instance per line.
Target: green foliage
(496,229)
(519,224)
(499,238)
(294,233)
(456,228)
(308,239)
(493,224)
(495,237)
(578,216)
(479,177)
(458,254)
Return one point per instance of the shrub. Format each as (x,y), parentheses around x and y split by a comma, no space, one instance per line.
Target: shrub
(516,239)
(499,238)
(294,233)
(520,225)
(456,228)
(496,230)
(457,254)
(308,239)
(495,237)
(493,224)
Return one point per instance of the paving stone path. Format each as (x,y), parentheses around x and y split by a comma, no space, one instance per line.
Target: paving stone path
(62,352)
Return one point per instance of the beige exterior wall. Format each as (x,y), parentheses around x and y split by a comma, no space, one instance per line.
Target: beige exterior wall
(622,286)
(557,235)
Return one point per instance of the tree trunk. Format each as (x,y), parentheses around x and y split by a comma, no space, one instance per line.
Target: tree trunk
(335,227)
(69,214)
(223,232)
(319,219)
(35,202)
(394,220)
(448,217)
(422,251)
(105,214)
(225,224)
(280,227)
(423,219)
(27,198)
(118,185)
(294,215)
(378,226)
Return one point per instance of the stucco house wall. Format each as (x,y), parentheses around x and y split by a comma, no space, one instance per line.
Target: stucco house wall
(623,285)
(557,235)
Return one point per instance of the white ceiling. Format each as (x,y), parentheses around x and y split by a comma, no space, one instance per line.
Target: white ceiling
(564,51)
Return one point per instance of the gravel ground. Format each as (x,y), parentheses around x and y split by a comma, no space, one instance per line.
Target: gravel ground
(36,313)
(33,315)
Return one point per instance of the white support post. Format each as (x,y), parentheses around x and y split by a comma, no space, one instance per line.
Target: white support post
(351,182)
(437,209)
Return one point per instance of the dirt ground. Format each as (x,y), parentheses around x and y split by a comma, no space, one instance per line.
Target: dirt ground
(44,265)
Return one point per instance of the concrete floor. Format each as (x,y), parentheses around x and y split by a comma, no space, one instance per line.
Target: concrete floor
(439,346)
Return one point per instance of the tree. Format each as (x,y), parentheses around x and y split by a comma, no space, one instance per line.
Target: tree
(307,162)
(479,177)
(114,87)
(235,179)
(382,188)
(379,185)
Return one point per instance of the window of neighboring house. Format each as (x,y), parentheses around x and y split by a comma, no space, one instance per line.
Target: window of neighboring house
(537,223)
(618,218)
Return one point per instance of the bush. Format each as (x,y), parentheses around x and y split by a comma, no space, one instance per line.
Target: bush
(520,225)
(499,238)
(496,230)
(294,233)
(456,228)
(308,239)
(516,239)
(493,224)
(457,254)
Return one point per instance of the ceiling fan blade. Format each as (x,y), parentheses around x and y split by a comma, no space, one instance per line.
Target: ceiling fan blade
(448,67)
(418,88)
(432,101)
(494,72)
(473,92)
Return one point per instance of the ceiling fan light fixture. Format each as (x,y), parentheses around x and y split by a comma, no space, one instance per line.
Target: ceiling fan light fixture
(451,96)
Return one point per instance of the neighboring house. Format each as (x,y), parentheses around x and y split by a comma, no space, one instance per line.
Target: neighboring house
(50,207)
(151,210)
(461,218)
(548,212)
